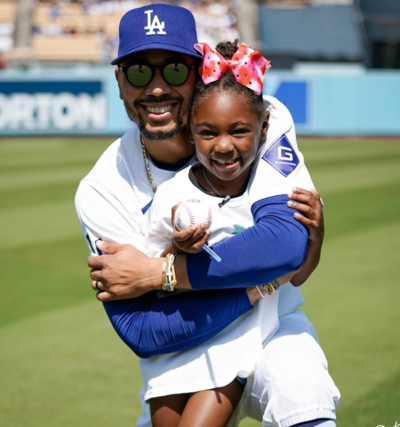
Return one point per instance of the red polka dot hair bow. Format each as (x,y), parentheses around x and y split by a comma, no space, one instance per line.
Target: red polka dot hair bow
(247,65)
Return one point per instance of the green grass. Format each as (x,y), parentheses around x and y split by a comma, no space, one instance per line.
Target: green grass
(62,364)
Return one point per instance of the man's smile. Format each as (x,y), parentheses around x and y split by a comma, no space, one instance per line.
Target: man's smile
(159,109)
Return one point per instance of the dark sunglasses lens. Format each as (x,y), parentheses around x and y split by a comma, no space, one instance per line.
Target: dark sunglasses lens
(176,74)
(139,75)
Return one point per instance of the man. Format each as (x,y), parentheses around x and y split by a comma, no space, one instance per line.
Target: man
(156,74)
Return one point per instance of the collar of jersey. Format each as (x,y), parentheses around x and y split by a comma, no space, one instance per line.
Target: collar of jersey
(173,167)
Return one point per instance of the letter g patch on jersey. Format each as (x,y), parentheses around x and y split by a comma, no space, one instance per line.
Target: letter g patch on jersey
(282,156)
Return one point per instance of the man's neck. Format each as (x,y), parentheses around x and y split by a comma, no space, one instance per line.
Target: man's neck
(170,150)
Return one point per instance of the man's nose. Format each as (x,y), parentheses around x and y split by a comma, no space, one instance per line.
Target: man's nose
(158,86)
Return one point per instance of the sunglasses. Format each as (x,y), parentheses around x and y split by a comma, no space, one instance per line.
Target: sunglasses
(140,75)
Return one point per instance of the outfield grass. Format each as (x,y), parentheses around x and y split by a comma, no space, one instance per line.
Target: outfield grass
(63,365)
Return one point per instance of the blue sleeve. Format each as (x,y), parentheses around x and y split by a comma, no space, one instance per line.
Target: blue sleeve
(274,246)
(151,326)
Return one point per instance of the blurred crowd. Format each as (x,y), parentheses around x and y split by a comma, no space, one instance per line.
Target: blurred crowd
(7,31)
(216,20)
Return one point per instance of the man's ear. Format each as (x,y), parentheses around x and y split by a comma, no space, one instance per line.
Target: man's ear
(264,128)
(117,77)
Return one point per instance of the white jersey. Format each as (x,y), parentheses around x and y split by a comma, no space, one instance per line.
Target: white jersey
(113,198)
(236,349)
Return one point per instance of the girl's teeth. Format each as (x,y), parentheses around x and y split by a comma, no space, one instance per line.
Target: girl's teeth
(226,162)
(158,110)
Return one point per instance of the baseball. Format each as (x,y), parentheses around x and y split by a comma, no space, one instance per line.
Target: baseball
(192,212)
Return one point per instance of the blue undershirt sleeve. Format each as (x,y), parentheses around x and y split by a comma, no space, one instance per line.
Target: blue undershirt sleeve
(151,326)
(274,246)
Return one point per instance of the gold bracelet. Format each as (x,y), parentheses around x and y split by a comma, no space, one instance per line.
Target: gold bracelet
(164,273)
(271,287)
(170,276)
(173,281)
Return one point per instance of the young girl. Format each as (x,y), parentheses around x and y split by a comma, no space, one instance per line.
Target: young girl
(228,124)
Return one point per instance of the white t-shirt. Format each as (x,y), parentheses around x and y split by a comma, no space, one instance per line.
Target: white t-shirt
(113,199)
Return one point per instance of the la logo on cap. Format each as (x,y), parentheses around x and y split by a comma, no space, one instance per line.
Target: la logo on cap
(155,25)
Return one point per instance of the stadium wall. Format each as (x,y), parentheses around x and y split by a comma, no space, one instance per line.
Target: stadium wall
(85,101)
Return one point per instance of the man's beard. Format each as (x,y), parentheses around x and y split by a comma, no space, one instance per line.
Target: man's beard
(147,134)
(160,135)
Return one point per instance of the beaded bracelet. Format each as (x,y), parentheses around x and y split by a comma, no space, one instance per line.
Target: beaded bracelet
(260,292)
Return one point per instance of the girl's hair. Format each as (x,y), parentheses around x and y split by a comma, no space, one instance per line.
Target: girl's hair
(228,82)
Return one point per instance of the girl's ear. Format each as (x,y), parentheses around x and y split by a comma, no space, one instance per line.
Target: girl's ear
(264,127)
(191,139)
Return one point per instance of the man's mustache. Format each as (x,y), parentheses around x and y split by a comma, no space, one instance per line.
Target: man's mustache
(157,100)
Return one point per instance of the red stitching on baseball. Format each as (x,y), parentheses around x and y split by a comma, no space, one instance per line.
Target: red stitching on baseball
(191,217)
(208,219)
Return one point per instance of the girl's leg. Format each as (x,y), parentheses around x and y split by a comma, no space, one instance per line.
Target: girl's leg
(166,411)
(211,408)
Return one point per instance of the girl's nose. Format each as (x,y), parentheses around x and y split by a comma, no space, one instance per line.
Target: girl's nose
(224,145)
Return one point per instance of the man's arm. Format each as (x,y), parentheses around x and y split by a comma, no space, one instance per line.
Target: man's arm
(148,325)
(274,246)
(152,326)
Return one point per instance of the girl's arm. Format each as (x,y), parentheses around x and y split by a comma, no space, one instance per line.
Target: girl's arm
(274,246)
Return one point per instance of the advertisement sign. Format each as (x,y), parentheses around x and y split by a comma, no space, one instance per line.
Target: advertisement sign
(52,107)
(85,101)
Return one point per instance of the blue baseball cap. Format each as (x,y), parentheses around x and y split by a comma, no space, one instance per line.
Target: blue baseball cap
(157,26)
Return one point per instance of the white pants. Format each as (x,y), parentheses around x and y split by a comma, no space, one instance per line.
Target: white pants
(290,383)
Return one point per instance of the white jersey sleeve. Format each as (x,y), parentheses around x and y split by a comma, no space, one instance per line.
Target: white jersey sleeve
(279,165)
(102,218)
(108,203)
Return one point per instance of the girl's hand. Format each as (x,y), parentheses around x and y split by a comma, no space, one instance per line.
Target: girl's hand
(310,205)
(191,240)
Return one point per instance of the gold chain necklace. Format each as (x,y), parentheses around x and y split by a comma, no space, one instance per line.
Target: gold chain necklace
(147,167)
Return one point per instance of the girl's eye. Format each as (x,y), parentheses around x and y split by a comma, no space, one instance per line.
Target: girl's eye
(240,131)
(206,133)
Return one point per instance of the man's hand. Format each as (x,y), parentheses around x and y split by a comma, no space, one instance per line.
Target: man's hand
(310,205)
(124,273)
